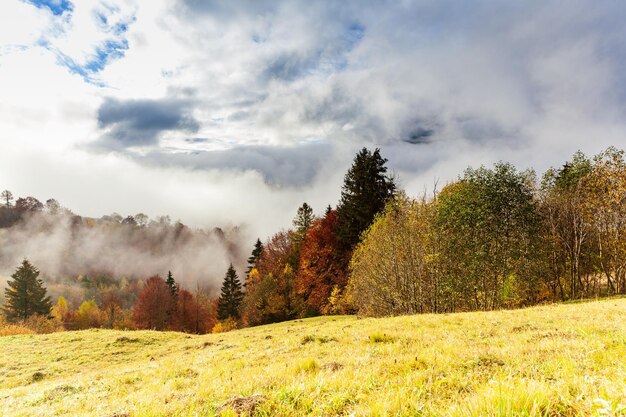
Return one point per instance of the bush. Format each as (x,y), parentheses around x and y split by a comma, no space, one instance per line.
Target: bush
(307,365)
(43,324)
(225,325)
(13,329)
(381,338)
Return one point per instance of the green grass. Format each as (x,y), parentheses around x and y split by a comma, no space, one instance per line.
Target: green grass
(561,360)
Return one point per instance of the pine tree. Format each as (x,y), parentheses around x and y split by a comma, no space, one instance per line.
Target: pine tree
(26,294)
(231,296)
(171,284)
(253,259)
(366,190)
(304,219)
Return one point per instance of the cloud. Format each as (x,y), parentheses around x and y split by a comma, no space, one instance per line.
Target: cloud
(284,94)
(279,166)
(140,122)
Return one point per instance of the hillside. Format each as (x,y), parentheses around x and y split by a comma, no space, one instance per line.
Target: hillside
(561,360)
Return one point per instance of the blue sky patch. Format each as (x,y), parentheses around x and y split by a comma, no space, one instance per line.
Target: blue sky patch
(57,7)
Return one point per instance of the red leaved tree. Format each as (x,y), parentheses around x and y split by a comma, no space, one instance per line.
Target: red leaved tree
(153,307)
(321,266)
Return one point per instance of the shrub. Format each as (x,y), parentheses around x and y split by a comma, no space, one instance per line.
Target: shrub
(381,338)
(225,325)
(307,365)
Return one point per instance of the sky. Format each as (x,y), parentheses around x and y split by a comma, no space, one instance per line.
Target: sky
(236,112)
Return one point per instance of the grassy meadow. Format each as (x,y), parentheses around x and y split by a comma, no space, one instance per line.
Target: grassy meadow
(557,360)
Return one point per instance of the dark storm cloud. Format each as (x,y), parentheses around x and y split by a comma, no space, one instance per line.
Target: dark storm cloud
(292,166)
(140,122)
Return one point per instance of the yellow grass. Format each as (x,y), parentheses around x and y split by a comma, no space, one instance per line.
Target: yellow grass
(561,360)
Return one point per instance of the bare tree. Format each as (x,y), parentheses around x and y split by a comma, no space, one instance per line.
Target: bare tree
(7,197)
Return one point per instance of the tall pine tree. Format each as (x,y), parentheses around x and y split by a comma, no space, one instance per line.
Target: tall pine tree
(171,284)
(26,294)
(366,190)
(303,220)
(231,296)
(254,257)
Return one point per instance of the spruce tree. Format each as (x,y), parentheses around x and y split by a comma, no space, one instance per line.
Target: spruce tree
(26,294)
(171,284)
(254,257)
(304,219)
(366,190)
(231,296)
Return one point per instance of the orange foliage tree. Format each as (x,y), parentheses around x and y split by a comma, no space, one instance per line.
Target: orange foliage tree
(269,290)
(152,308)
(321,265)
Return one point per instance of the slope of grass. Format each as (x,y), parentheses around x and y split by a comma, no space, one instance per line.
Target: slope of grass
(561,360)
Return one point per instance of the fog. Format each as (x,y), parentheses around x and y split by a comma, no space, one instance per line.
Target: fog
(66,246)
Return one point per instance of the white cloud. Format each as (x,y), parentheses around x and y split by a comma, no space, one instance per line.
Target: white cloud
(477,82)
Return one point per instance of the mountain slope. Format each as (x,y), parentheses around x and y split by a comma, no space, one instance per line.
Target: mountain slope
(567,359)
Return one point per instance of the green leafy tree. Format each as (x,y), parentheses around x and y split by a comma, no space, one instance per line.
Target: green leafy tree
(231,296)
(26,295)
(487,224)
(366,190)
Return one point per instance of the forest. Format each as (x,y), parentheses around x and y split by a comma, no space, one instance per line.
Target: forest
(494,238)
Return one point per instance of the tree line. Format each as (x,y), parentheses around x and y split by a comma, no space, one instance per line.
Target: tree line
(493,238)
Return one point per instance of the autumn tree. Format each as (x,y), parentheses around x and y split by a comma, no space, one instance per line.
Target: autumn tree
(273,278)
(186,313)
(152,306)
(88,315)
(392,268)
(28,204)
(566,232)
(263,302)
(605,210)
(52,206)
(321,265)
(230,296)
(26,295)
(60,310)
(141,219)
(112,311)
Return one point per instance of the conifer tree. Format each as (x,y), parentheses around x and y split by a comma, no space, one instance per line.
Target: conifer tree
(304,219)
(366,190)
(26,294)
(171,284)
(254,257)
(231,296)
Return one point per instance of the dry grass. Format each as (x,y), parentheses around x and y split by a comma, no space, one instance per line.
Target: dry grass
(562,360)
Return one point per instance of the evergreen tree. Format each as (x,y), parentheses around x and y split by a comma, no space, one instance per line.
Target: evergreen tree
(231,296)
(26,294)
(171,284)
(256,254)
(304,219)
(366,190)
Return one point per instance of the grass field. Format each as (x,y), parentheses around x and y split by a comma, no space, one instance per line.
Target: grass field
(560,360)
